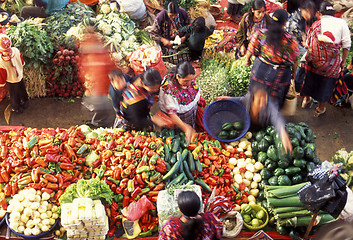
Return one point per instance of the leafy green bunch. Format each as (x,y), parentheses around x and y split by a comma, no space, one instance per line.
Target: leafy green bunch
(33,43)
(92,188)
(60,22)
(185,4)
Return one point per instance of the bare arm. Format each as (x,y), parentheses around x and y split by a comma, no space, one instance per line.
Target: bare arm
(186,128)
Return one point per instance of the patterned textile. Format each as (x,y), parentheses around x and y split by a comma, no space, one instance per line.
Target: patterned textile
(174,56)
(132,95)
(324,56)
(220,206)
(286,55)
(189,117)
(212,228)
(255,27)
(276,80)
(184,95)
(340,90)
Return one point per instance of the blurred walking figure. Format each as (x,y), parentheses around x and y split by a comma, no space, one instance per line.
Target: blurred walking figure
(95,65)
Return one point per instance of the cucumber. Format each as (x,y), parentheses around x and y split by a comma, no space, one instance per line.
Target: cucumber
(181,168)
(191,162)
(166,153)
(168,166)
(198,165)
(175,145)
(179,178)
(184,155)
(187,171)
(175,167)
(173,159)
(203,184)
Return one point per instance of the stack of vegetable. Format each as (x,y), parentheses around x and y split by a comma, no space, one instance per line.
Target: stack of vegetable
(36,49)
(119,32)
(289,213)
(223,75)
(31,212)
(245,172)
(342,156)
(58,24)
(281,168)
(63,80)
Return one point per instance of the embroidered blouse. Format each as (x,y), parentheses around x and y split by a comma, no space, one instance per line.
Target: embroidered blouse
(174,99)
(212,229)
(286,55)
(135,107)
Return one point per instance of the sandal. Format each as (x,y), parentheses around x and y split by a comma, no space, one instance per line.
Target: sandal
(318,112)
(306,103)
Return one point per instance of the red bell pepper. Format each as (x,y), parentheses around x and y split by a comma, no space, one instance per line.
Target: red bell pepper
(67,166)
(126,201)
(136,191)
(50,177)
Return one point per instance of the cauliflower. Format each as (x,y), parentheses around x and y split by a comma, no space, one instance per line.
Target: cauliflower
(45,228)
(44,216)
(46,221)
(35,205)
(45,196)
(105,9)
(27,231)
(20,229)
(24,218)
(35,231)
(51,221)
(49,213)
(42,209)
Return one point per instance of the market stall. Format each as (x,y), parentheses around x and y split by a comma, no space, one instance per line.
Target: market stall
(80,183)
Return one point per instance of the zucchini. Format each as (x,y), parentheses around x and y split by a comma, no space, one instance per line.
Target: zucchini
(184,155)
(181,168)
(191,162)
(173,159)
(166,153)
(175,167)
(175,145)
(187,171)
(203,184)
(198,165)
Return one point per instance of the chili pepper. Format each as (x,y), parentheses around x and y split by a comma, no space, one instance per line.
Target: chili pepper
(226,153)
(153,159)
(4,175)
(69,151)
(41,162)
(130,185)
(44,142)
(135,192)
(52,158)
(143,169)
(43,170)
(63,136)
(154,198)
(159,187)
(117,182)
(35,175)
(144,191)
(50,178)
(7,190)
(53,186)
(25,180)
(153,193)
(161,168)
(107,154)
(35,185)
(155,177)
(100,171)
(3,204)
(60,180)
(152,145)
(126,201)
(241,186)
(139,180)
(123,183)
(67,166)
(4,151)
(47,190)
(221,171)
(1,180)
(226,176)
(53,150)
(14,187)
(137,142)
(58,194)
(66,184)
(211,181)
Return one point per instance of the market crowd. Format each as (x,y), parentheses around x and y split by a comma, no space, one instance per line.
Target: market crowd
(307,47)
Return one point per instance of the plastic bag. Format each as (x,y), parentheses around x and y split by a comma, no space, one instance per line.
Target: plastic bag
(347,212)
(136,9)
(326,190)
(135,210)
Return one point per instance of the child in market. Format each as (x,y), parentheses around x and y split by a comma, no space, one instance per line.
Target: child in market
(195,35)
(11,71)
(118,83)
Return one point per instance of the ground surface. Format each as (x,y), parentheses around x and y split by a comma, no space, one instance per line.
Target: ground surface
(333,129)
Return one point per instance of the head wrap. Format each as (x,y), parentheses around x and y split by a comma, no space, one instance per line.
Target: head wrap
(6,50)
(5,47)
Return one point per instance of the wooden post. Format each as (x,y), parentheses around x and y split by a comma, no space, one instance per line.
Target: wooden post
(311,224)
